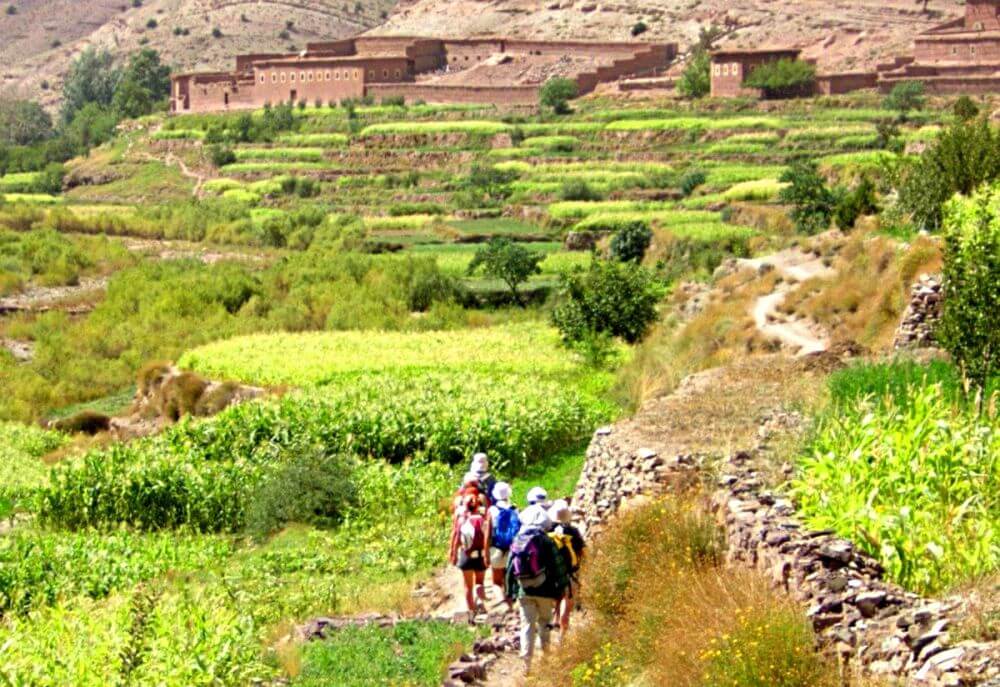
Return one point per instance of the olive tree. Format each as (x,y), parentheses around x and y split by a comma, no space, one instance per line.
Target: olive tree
(507,261)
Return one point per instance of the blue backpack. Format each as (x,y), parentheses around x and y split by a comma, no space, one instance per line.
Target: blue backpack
(505,528)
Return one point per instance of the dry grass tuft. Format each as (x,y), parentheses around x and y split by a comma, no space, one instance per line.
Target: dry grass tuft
(663,611)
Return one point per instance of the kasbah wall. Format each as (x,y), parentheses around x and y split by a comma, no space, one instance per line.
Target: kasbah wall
(388,66)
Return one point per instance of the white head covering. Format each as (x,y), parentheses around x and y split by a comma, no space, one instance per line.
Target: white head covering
(480,464)
(535,516)
(560,513)
(469,478)
(502,493)
(537,495)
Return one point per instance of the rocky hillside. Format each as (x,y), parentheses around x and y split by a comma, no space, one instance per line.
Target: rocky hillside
(842,34)
(39,38)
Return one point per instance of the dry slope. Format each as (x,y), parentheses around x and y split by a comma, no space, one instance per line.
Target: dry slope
(841,34)
(41,37)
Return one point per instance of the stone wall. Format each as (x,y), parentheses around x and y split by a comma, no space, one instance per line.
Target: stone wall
(872,626)
(917,328)
(439,93)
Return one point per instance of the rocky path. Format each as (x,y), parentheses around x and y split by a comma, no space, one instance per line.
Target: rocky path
(75,299)
(798,336)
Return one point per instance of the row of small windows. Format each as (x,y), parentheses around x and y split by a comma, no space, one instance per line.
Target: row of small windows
(335,75)
(726,69)
(972,50)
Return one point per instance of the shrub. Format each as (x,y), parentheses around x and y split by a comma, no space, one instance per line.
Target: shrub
(579,190)
(783,78)
(221,155)
(556,94)
(965,156)
(394,101)
(691,181)
(853,203)
(696,79)
(813,203)
(965,108)
(611,297)
(970,320)
(631,242)
(905,97)
(511,263)
(216,32)
(639,28)
(304,485)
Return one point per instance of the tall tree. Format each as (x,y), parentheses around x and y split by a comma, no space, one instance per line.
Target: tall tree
(92,78)
(23,122)
(143,84)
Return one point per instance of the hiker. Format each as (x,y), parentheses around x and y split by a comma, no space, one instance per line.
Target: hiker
(470,487)
(481,469)
(470,542)
(570,544)
(505,523)
(536,578)
(537,496)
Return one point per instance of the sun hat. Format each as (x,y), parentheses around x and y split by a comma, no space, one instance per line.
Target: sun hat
(559,512)
(502,493)
(535,517)
(470,477)
(537,496)
(480,463)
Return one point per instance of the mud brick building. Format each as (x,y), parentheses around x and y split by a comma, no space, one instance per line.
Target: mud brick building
(492,71)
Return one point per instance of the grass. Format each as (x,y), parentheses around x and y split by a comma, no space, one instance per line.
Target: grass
(21,467)
(21,182)
(761,190)
(279,154)
(275,167)
(32,198)
(552,143)
(325,140)
(695,123)
(320,356)
(413,653)
(498,226)
(698,625)
(400,223)
(405,128)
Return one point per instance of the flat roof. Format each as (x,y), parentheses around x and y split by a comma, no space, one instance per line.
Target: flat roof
(750,52)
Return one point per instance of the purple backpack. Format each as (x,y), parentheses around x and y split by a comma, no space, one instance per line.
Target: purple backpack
(526,559)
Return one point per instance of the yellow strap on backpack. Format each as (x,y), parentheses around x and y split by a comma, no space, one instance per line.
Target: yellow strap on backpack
(564,541)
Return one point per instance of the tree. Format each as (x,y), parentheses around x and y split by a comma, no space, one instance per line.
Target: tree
(853,203)
(23,122)
(965,108)
(965,156)
(91,126)
(630,242)
(144,83)
(696,79)
(812,202)
(507,261)
(905,97)
(92,78)
(616,299)
(557,92)
(969,328)
(783,78)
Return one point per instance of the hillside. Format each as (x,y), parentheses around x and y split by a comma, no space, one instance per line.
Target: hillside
(842,35)
(41,38)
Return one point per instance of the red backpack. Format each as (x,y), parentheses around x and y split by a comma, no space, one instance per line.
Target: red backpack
(472,533)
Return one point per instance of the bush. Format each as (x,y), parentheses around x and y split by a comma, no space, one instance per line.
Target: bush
(696,79)
(970,320)
(631,242)
(813,203)
(556,94)
(216,32)
(691,181)
(615,298)
(639,28)
(965,156)
(221,155)
(905,97)
(305,485)
(783,78)
(965,108)
(578,189)
(853,203)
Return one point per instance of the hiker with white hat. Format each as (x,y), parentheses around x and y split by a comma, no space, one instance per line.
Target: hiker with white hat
(570,544)
(537,496)
(480,467)
(505,523)
(536,576)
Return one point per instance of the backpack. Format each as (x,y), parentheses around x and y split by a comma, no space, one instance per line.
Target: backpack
(526,560)
(564,544)
(505,528)
(471,536)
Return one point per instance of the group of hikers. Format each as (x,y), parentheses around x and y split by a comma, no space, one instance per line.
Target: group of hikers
(533,555)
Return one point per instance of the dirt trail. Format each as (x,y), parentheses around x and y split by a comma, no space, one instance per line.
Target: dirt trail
(799,336)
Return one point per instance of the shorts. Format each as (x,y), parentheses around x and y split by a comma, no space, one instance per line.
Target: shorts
(474,564)
(498,558)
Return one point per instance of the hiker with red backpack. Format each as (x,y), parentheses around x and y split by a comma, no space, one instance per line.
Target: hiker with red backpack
(536,578)
(505,523)
(470,545)
(471,486)
(571,544)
